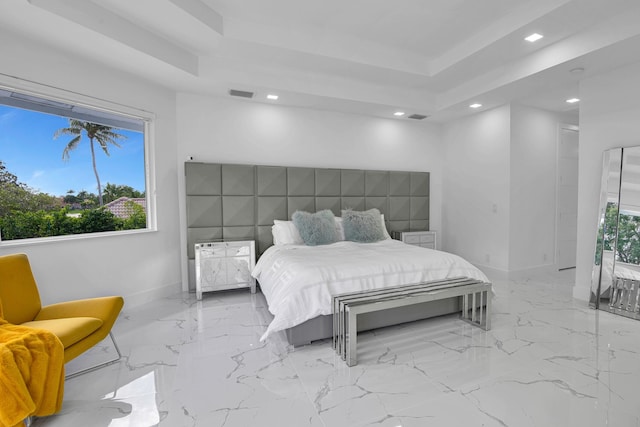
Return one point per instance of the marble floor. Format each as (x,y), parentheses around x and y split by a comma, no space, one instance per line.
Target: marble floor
(547,361)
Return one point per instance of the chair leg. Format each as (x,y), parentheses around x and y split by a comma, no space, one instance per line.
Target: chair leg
(101,365)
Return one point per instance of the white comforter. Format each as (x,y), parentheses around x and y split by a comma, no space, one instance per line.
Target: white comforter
(298,281)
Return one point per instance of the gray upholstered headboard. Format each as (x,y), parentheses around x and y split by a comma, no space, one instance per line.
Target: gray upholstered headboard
(240,202)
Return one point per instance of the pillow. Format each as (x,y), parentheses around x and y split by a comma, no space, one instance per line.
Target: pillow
(387,236)
(339,228)
(316,229)
(285,233)
(363,226)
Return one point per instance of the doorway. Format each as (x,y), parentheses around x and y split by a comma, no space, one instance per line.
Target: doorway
(567,197)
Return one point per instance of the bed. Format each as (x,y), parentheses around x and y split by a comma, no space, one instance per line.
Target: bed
(298,282)
(226,202)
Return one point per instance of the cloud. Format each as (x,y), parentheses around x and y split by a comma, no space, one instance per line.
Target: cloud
(7,117)
(34,182)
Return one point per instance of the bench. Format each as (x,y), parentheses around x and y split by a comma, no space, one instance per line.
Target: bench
(476,307)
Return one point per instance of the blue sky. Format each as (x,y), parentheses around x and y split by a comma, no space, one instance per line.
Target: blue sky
(30,152)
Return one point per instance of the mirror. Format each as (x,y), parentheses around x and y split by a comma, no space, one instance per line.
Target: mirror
(616,272)
(602,275)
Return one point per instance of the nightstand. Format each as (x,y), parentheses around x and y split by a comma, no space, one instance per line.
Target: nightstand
(425,239)
(224,265)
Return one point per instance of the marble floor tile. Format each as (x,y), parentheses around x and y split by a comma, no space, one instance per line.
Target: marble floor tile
(548,360)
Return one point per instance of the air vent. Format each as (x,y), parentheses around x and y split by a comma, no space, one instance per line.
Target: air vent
(240,93)
(418,116)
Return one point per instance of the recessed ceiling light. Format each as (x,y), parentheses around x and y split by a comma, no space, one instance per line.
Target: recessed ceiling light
(272,97)
(573,100)
(476,105)
(399,113)
(534,37)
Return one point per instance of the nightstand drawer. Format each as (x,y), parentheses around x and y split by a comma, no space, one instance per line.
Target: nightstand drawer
(427,238)
(412,239)
(212,251)
(234,250)
(424,239)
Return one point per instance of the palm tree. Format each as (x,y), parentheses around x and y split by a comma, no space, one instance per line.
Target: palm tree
(103,135)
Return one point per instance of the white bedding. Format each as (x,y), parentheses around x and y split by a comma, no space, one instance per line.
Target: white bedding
(298,281)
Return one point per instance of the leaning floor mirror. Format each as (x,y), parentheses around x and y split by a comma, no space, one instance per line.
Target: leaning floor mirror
(615,285)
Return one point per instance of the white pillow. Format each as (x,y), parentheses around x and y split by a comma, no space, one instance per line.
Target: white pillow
(285,233)
(384,228)
(339,228)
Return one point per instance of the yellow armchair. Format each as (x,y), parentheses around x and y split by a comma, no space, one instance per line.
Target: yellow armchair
(79,324)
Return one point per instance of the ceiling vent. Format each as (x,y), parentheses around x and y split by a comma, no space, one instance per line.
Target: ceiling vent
(240,93)
(418,116)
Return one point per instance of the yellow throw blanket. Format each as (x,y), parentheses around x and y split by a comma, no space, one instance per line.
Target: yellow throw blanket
(31,373)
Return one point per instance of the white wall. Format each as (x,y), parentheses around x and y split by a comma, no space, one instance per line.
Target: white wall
(137,266)
(609,117)
(499,187)
(475,210)
(532,225)
(219,129)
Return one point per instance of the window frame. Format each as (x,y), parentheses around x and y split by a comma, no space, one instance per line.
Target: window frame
(51,93)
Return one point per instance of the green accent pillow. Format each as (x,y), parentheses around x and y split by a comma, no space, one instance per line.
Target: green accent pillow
(316,229)
(362,226)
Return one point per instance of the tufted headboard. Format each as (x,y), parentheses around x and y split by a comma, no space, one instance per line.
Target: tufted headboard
(240,202)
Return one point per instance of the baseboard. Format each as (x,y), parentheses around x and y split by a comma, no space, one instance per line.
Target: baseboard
(527,272)
(493,273)
(497,274)
(143,297)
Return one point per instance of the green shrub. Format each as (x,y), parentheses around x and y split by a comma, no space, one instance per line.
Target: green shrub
(137,217)
(97,220)
(22,225)
(28,225)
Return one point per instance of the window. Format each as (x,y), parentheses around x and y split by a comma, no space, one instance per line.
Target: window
(68,168)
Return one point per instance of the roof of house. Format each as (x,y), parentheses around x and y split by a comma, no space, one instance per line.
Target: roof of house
(121,209)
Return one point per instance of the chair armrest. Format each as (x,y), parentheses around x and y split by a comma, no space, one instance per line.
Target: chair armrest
(104,308)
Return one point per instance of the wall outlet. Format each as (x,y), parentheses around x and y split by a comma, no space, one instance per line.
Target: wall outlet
(487,258)
(544,257)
